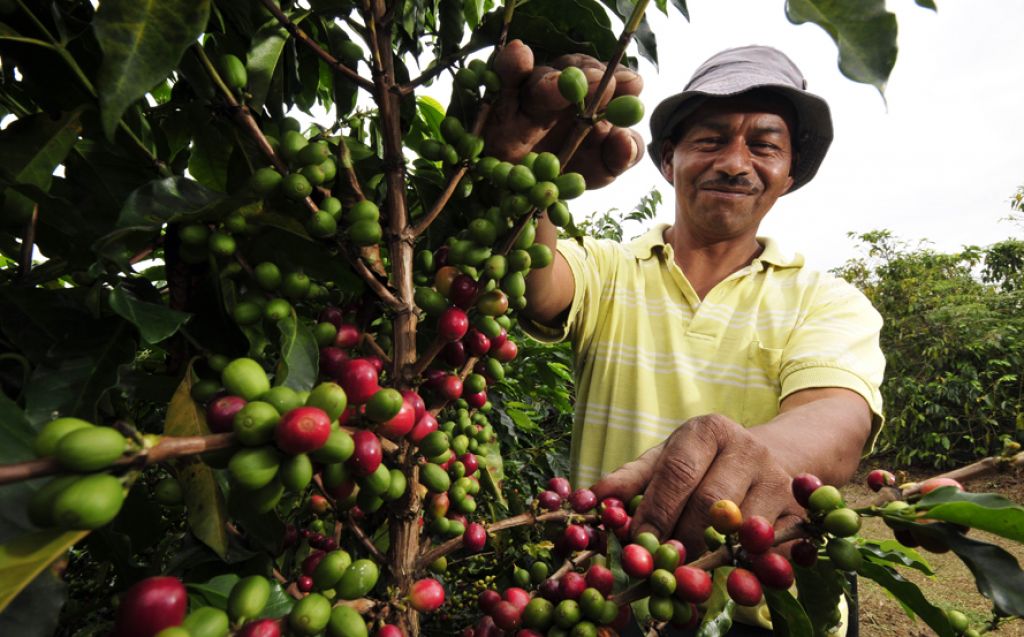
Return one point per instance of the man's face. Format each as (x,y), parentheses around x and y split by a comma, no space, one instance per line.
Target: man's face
(730,164)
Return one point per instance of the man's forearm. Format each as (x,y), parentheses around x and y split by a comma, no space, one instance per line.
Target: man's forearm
(819,431)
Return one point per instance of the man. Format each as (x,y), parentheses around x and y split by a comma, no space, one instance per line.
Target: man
(772,370)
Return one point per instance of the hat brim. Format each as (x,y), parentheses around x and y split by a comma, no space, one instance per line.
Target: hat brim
(811,140)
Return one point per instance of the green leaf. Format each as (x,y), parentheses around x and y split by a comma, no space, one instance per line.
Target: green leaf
(788,617)
(22,559)
(984,511)
(719,609)
(894,552)
(300,356)
(267,46)
(37,613)
(31,148)
(927,4)
(556,28)
(680,6)
(18,433)
(142,42)
(216,591)
(522,420)
(164,200)
(818,589)
(207,512)
(862,29)
(908,594)
(156,322)
(77,381)
(996,573)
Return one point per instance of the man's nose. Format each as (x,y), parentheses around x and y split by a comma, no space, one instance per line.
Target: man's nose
(734,158)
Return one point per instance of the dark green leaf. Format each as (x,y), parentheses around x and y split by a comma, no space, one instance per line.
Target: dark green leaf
(573,26)
(155,321)
(997,573)
(788,617)
(680,6)
(142,41)
(267,46)
(300,355)
(211,150)
(31,148)
(909,595)
(819,588)
(984,511)
(207,513)
(37,612)
(164,200)
(76,382)
(862,29)
(927,4)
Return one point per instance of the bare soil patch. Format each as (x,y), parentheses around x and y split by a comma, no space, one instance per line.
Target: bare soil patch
(952,586)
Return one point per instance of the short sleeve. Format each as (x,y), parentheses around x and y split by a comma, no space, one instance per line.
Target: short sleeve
(592,265)
(837,345)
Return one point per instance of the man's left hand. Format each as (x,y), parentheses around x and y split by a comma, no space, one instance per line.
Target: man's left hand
(708,458)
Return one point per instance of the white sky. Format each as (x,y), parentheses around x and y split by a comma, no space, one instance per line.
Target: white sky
(940,164)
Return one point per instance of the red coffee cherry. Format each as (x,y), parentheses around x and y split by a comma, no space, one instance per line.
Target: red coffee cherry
(773,570)
(150,606)
(302,430)
(880,478)
(757,534)
(427,595)
(743,587)
(803,486)
(637,561)
(692,584)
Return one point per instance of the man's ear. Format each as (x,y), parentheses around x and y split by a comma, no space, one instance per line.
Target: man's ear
(667,150)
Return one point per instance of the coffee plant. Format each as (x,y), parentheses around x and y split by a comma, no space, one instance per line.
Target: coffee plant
(257,299)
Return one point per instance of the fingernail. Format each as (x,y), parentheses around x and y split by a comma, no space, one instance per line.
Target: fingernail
(634,149)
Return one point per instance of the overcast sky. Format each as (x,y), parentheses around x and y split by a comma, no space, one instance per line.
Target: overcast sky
(940,162)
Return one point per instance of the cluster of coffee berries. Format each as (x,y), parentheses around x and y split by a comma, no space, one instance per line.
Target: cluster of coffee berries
(158,607)
(274,294)
(83,496)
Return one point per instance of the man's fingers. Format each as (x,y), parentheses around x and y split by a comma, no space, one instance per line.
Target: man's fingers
(629,479)
(540,98)
(687,455)
(513,65)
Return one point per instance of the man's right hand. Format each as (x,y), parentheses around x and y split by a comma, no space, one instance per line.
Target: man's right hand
(532,115)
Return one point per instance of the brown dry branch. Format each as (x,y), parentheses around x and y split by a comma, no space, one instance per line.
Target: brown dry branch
(368,340)
(586,123)
(572,563)
(367,543)
(168,448)
(523,519)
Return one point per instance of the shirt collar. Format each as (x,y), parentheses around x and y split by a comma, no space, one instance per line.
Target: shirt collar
(653,242)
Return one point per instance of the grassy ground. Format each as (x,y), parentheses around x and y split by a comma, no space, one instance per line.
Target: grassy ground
(952,587)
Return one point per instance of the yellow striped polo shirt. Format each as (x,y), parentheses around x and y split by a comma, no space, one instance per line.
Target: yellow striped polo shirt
(650,354)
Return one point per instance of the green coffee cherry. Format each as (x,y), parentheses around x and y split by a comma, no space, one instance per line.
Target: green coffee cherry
(88,503)
(248,597)
(625,110)
(52,432)
(572,84)
(90,448)
(233,71)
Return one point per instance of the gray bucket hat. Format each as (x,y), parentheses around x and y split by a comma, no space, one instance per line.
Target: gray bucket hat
(736,71)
